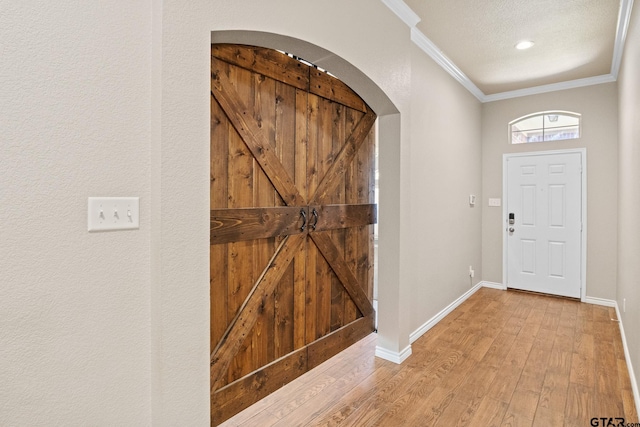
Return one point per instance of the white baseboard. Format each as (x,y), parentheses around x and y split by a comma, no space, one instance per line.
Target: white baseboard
(392,356)
(600,301)
(493,285)
(438,317)
(627,356)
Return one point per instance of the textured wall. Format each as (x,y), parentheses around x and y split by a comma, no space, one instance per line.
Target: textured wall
(445,169)
(74,122)
(385,57)
(599,109)
(629,192)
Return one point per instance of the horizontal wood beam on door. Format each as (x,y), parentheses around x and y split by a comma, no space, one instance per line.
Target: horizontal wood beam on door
(326,86)
(234,225)
(334,217)
(328,346)
(263,61)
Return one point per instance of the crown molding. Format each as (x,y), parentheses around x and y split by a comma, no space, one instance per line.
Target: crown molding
(409,17)
(571,84)
(441,59)
(403,12)
(624,15)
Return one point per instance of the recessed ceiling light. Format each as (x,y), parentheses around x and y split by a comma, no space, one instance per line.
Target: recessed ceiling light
(525,44)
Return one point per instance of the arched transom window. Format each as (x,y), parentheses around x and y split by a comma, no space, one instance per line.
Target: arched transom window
(545,126)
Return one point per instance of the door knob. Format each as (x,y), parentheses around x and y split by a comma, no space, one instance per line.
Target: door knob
(511,229)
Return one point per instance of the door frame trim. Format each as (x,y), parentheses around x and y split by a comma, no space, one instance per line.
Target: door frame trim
(583,233)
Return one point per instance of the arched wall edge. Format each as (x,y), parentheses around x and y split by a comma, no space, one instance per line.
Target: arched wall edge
(390,340)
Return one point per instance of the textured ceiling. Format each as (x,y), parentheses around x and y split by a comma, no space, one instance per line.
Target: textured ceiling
(574,39)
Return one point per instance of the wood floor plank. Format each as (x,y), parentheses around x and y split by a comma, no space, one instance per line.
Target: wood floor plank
(490,413)
(475,386)
(523,403)
(553,395)
(430,411)
(630,412)
(456,414)
(356,398)
(496,360)
(580,404)
(559,361)
(546,418)
(504,385)
(374,407)
(582,370)
(515,420)
(499,349)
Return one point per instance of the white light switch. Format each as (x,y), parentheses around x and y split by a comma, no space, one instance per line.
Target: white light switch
(495,202)
(113,213)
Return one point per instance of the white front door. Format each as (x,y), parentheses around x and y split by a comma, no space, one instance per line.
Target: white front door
(544,223)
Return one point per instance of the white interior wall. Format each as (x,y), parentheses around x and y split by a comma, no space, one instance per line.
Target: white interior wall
(628,295)
(599,109)
(445,170)
(74,122)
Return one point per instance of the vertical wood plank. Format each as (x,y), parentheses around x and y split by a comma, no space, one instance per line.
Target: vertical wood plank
(324,272)
(299,298)
(285,121)
(219,156)
(218,199)
(337,303)
(311,303)
(323,296)
(241,187)
(283,336)
(300,178)
(311,289)
(370,229)
(263,196)
(301,142)
(338,120)
(353,246)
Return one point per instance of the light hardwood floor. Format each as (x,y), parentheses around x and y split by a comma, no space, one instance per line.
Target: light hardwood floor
(501,358)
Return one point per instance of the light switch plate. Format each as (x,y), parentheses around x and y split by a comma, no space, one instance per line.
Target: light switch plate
(495,202)
(113,213)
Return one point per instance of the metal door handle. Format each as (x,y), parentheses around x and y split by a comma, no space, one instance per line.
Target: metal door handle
(315,215)
(511,229)
(303,214)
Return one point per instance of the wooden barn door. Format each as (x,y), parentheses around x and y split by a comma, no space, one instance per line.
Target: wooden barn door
(292,193)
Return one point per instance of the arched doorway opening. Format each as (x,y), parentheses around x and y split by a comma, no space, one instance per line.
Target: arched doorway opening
(389,136)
